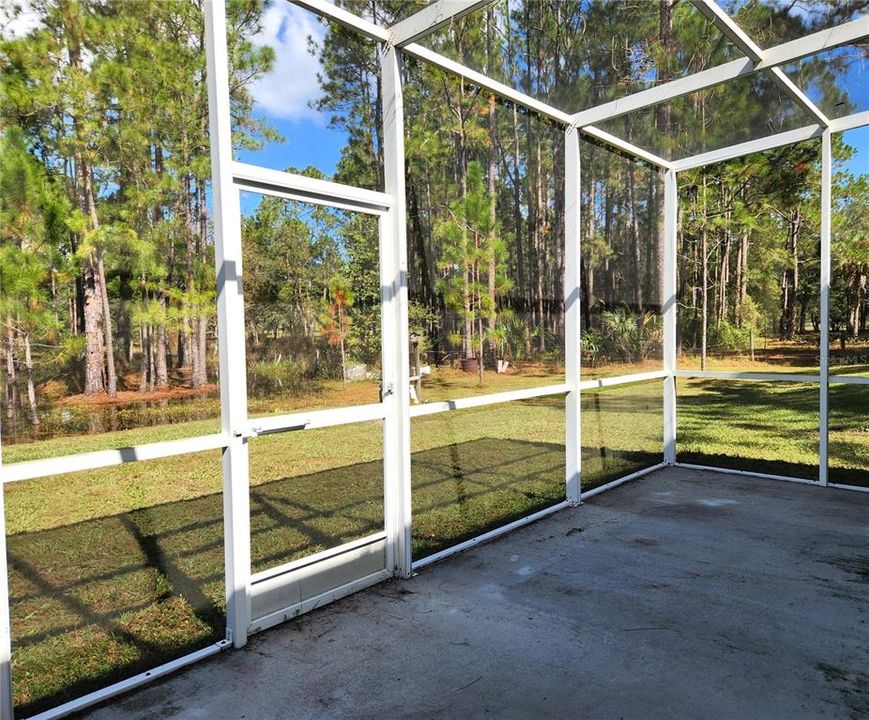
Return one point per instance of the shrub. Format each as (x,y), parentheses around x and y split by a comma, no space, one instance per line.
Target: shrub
(729,337)
(628,336)
(288,376)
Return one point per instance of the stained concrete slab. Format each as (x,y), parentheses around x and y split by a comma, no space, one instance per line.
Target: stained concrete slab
(683,595)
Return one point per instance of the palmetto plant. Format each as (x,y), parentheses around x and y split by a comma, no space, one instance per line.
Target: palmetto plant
(629,336)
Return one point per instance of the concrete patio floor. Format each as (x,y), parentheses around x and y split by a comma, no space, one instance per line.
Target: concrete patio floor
(682,595)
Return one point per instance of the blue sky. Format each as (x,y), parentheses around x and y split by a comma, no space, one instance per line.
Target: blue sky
(308,142)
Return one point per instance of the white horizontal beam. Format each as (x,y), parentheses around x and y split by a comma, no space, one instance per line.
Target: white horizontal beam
(343,17)
(714,12)
(798,96)
(484,81)
(627,147)
(747,148)
(306,189)
(665,92)
(850,122)
(748,473)
(433,408)
(622,480)
(848,379)
(778,55)
(772,377)
(314,558)
(119,688)
(751,50)
(313,419)
(623,379)
(844,34)
(31,469)
(431,18)
(843,486)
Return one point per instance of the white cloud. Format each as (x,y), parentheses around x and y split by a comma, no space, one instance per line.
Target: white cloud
(289,88)
(18,18)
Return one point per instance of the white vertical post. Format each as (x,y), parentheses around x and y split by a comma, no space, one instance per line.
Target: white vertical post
(230,322)
(671,220)
(396,390)
(5,623)
(572,356)
(826,211)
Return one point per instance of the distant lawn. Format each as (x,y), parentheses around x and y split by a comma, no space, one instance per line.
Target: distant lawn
(116,570)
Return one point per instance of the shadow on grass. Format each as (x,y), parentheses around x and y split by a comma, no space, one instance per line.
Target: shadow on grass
(804,471)
(465,489)
(101,600)
(772,428)
(606,464)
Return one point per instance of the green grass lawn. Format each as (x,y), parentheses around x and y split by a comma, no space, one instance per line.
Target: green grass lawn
(773,428)
(118,569)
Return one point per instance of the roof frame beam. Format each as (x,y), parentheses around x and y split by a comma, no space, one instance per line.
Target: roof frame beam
(850,122)
(779,55)
(789,137)
(812,44)
(526,101)
(345,18)
(837,125)
(728,26)
(375,32)
(431,18)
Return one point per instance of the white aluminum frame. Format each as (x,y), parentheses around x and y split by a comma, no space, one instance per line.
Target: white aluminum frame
(779,55)
(231,330)
(395,338)
(5,628)
(747,473)
(750,49)
(671,221)
(230,178)
(431,18)
(826,213)
(572,314)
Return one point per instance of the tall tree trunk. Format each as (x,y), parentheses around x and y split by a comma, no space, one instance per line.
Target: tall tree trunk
(161,369)
(145,373)
(93,321)
(10,371)
(637,294)
(790,280)
(31,389)
(723,280)
(742,276)
(858,298)
(99,364)
(110,383)
(200,371)
(540,244)
(111,377)
(493,191)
